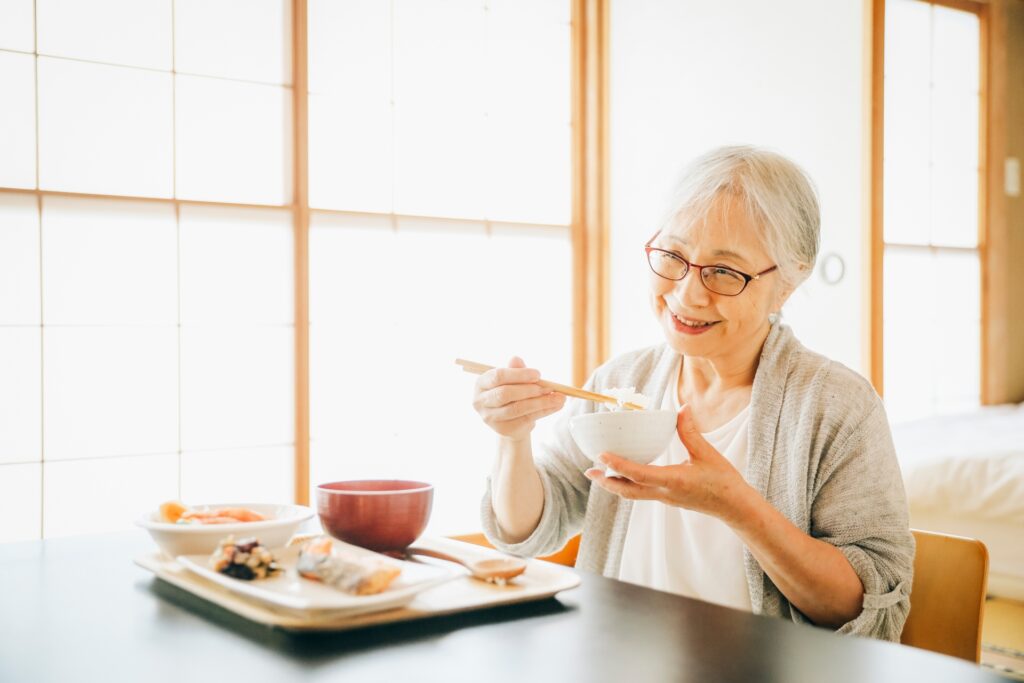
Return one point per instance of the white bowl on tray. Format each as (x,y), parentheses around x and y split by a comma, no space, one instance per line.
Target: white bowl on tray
(637,435)
(281,523)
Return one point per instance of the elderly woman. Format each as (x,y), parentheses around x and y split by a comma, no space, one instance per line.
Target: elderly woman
(781,494)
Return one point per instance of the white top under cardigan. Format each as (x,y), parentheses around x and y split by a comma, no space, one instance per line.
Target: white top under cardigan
(820,452)
(685,552)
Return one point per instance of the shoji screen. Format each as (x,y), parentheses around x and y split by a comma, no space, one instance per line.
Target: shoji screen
(146,316)
(440,182)
(932,301)
(146,341)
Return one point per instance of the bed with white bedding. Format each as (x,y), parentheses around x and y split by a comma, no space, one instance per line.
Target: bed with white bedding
(964,475)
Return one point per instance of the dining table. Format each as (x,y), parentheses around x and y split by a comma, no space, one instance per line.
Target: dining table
(78,609)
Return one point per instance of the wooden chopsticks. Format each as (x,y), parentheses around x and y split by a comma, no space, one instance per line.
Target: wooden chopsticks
(480,368)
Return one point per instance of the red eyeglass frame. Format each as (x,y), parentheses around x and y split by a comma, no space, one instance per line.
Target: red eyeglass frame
(700,269)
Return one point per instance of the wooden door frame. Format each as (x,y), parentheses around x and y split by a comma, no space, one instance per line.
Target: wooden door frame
(873,361)
(873,118)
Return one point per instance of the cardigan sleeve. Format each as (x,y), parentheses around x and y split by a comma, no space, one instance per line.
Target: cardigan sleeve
(860,507)
(561,465)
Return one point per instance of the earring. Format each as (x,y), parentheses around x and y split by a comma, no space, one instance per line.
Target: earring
(773,318)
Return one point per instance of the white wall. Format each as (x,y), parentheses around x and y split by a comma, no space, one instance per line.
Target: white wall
(687,76)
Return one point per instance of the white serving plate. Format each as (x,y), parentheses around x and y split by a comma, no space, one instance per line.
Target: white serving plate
(289,591)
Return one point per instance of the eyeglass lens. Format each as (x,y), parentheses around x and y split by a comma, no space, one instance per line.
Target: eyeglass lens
(718,279)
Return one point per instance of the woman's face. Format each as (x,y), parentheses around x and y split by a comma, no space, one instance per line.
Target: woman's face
(698,322)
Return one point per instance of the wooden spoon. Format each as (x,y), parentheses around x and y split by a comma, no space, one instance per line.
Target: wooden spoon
(495,570)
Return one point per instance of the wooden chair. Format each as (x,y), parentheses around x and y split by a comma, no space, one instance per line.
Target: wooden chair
(566,555)
(948,596)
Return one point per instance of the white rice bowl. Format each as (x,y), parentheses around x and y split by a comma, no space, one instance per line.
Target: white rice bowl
(637,435)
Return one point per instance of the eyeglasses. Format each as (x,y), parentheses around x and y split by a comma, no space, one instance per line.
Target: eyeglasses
(718,279)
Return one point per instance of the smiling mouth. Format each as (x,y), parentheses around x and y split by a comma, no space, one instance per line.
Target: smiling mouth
(692,324)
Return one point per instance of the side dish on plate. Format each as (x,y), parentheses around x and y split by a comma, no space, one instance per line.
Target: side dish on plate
(351,571)
(354,571)
(175,512)
(243,559)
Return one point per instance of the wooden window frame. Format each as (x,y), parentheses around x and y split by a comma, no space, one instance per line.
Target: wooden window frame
(301,212)
(873,361)
(590,186)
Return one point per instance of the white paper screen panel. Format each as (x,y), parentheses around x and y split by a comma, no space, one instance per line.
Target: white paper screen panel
(104,129)
(237,266)
(109,262)
(468,119)
(233,141)
(20,395)
(932,102)
(237,387)
(439,292)
(110,391)
(931,352)
(17,120)
(115,491)
(255,475)
(17,30)
(21,492)
(124,32)
(248,40)
(932,297)
(19,259)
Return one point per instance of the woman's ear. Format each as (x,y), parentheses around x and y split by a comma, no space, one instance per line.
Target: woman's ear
(781,297)
(786,289)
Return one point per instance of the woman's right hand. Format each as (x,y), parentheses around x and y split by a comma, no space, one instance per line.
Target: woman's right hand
(510,401)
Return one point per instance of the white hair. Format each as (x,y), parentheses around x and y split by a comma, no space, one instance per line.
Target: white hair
(776,193)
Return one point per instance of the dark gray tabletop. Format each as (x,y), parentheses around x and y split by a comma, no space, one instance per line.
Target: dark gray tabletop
(79,610)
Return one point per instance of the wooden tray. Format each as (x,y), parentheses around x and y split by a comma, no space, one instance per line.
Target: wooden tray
(541,580)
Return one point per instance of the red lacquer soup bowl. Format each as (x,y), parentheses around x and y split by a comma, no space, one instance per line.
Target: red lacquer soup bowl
(379,514)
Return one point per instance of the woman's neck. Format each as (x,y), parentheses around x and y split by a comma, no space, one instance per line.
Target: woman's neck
(728,371)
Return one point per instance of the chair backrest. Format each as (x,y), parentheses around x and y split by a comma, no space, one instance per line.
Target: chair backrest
(566,555)
(948,596)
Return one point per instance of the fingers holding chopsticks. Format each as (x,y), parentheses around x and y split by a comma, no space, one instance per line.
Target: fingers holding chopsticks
(515,373)
(510,401)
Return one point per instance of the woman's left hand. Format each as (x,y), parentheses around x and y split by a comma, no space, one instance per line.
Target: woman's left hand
(708,483)
(813,574)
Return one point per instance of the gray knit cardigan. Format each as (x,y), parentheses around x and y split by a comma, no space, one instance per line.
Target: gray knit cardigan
(820,451)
